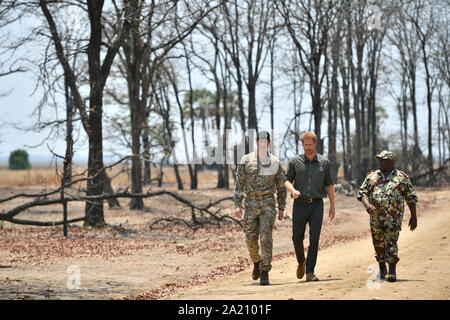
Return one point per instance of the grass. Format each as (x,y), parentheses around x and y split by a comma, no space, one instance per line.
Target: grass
(45,176)
(31,177)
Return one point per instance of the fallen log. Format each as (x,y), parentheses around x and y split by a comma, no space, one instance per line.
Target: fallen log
(9,215)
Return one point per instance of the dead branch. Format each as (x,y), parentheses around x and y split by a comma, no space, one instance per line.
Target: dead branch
(431,175)
(9,215)
(173,220)
(43,224)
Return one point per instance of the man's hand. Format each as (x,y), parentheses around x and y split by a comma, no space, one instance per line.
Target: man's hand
(331,213)
(412,222)
(280,215)
(238,212)
(370,209)
(295,194)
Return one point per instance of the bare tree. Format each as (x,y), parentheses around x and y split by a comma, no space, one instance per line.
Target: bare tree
(8,16)
(218,68)
(156,28)
(441,65)
(375,43)
(309,23)
(163,107)
(423,16)
(248,40)
(98,70)
(334,94)
(232,44)
(408,48)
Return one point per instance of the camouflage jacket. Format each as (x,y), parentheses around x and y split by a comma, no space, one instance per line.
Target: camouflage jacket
(387,194)
(259,178)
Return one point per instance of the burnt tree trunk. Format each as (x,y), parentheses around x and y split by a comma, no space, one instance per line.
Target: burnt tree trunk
(133,48)
(91,119)
(95,186)
(146,145)
(69,138)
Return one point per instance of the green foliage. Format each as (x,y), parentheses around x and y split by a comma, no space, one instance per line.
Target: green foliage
(204,104)
(18,160)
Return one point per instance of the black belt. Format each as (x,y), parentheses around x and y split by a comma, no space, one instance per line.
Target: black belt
(307,200)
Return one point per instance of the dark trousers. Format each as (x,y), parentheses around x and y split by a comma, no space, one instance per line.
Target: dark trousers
(303,213)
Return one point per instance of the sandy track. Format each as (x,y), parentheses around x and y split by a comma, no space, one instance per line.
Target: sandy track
(345,271)
(166,263)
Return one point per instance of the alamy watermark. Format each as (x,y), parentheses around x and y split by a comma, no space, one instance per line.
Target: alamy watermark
(374,19)
(74,279)
(374,281)
(74,18)
(216,147)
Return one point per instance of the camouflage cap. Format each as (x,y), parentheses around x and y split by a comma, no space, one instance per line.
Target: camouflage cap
(386,155)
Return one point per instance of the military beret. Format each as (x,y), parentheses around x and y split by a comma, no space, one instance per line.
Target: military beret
(263,134)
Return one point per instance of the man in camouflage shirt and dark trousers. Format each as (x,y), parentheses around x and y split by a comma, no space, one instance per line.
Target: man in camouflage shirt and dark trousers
(383,193)
(258,176)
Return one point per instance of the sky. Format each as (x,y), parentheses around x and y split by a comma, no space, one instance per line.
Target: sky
(18,105)
(16,109)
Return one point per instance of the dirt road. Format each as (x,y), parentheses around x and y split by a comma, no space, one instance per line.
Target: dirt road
(175,263)
(347,271)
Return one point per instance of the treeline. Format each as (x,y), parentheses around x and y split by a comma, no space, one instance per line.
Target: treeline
(332,59)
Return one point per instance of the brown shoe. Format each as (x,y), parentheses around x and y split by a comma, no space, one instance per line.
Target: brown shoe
(301,269)
(311,277)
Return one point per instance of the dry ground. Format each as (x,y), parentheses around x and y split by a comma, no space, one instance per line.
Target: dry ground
(128,260)
(348,271)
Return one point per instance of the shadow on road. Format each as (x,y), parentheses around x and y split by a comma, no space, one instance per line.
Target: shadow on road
(321,280)
(294,282)
(405,280)
(271,284)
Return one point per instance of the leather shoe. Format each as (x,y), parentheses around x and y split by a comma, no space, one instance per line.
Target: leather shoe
(301,269)
(311,277)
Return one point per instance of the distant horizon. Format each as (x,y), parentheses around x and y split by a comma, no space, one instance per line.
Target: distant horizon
(47,159)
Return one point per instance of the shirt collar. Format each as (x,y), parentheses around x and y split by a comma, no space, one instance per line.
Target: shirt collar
(305,158)
(388,175)
(267,160)
(257,159)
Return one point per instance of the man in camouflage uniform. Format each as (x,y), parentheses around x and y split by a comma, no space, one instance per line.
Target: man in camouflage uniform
(383,193)
(258,176)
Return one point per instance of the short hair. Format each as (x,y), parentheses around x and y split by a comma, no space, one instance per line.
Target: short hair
(263,134)
(309,135)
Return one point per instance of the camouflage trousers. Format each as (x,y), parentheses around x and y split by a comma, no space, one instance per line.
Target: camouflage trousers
(259,219)
(385,232)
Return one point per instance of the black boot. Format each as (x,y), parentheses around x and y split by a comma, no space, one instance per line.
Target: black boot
(256,272)
(383,270)
(392,276)
(264,280)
